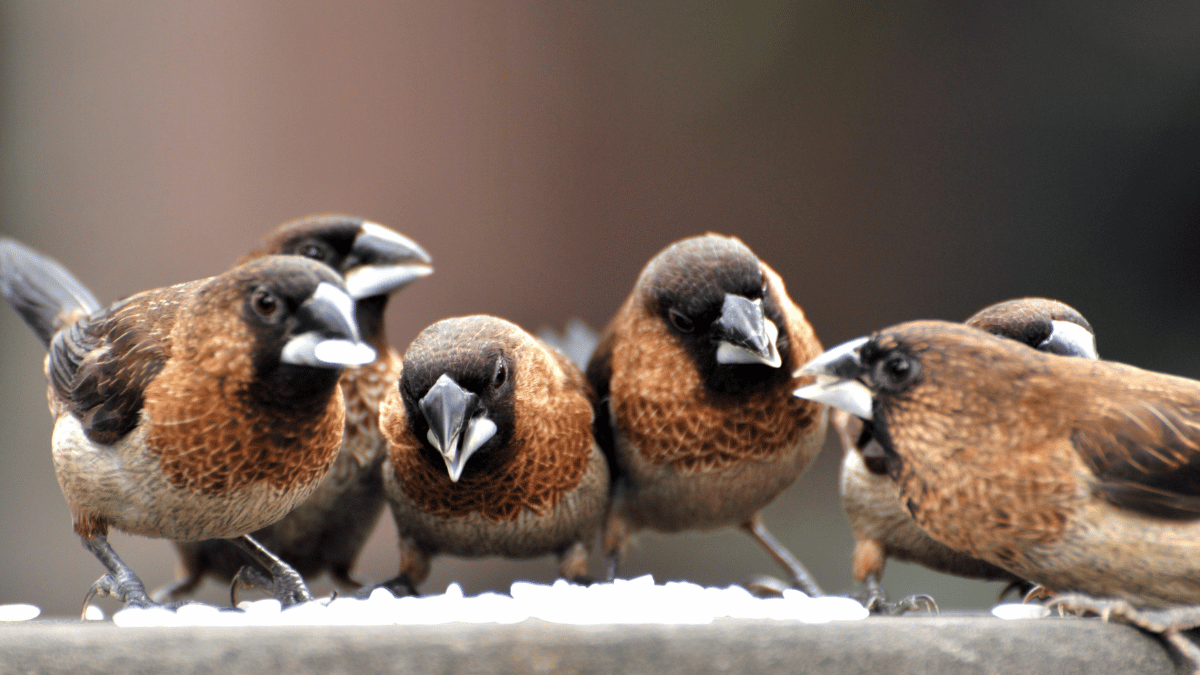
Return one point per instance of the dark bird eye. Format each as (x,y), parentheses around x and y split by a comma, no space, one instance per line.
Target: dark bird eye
(896,371)
(312,249)
(265,303)
(501,374)
(681,322)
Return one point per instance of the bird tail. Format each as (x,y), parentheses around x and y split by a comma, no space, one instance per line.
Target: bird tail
(43,292)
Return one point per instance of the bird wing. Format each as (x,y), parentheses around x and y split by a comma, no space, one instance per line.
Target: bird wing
(1145,455)
(101,365)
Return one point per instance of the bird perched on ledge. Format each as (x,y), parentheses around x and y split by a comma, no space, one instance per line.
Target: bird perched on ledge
(694,378)
(202,410)
(882,526)
(1075,474)
(490,451)
(327,532)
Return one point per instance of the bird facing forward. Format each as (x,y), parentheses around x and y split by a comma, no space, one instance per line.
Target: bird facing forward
(882,526)
(694,378)
(203,410)
(490,451)
(328,531)
(1076,474)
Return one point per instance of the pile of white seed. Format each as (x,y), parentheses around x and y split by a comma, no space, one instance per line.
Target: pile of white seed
(631,601)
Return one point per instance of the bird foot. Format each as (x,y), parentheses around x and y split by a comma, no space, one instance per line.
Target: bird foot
(400,586)
(286,585)
(1020,588)
(906,604)
(176,590)
(125,588)
(764,586)
(1170,623)
(1036,592)
(1109,609)
(876,601)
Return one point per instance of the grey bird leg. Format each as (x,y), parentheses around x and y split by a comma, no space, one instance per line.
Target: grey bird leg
(279,579)
(800,577)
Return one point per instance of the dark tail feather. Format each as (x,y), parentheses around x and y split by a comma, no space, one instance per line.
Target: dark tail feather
(42,291)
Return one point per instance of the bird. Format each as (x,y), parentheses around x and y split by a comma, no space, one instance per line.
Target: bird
(328,531)
(207,409)
(1076,474)
(693,380)
(490,451)
(881,525)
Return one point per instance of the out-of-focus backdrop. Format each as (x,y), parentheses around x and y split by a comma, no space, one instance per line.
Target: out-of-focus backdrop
(892,161)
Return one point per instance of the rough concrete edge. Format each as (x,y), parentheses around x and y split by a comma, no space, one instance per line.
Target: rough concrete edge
(894,645)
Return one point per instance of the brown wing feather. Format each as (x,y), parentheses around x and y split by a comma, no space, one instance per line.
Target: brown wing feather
(1146,457)
(100,366)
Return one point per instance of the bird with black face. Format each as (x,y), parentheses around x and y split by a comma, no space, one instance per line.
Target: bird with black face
(207,409)
(328,531)
(1076,474)
(490,451)
(882,526)
(693,378)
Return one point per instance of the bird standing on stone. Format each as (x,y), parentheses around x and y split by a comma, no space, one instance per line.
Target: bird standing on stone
(694,378)
(202,410)
(490,451)
(882,526)
(1080,475)
(328,531)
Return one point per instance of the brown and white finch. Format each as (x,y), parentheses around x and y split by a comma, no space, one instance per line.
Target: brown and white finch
(882,526)
(328,531)
(202,410)
(490,451)
(694,378)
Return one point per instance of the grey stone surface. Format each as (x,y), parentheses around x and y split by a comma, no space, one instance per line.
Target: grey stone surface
(897,646)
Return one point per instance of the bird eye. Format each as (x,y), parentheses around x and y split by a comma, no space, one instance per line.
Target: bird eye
(501,374)
(681,322)
(896,371)
(314,250)
(265,303)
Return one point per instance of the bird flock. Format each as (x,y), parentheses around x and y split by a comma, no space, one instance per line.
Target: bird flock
(261,421)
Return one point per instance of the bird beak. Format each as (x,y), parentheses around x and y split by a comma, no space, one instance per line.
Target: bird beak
(327,334)
(746,334)
(1070,339)
(455,418)
(382,261)
(838,384)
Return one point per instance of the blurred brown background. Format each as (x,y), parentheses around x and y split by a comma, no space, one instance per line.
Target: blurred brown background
(891,160)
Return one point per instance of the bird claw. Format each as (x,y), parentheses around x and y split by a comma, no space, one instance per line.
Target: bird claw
(1170,623)
(876,602)
(286,586)
(909,603)
(128,590)
(400,586)
(1109,609)
(764,586)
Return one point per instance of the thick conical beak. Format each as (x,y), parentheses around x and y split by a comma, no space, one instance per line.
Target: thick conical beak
(745,334)
(1070,339)
(326,334)
(383,261)
(458,426)
(838,372)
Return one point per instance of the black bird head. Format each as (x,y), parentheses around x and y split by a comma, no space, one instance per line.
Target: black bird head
(458,388)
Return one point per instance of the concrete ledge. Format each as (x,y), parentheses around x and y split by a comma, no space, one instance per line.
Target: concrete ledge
(897,646)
